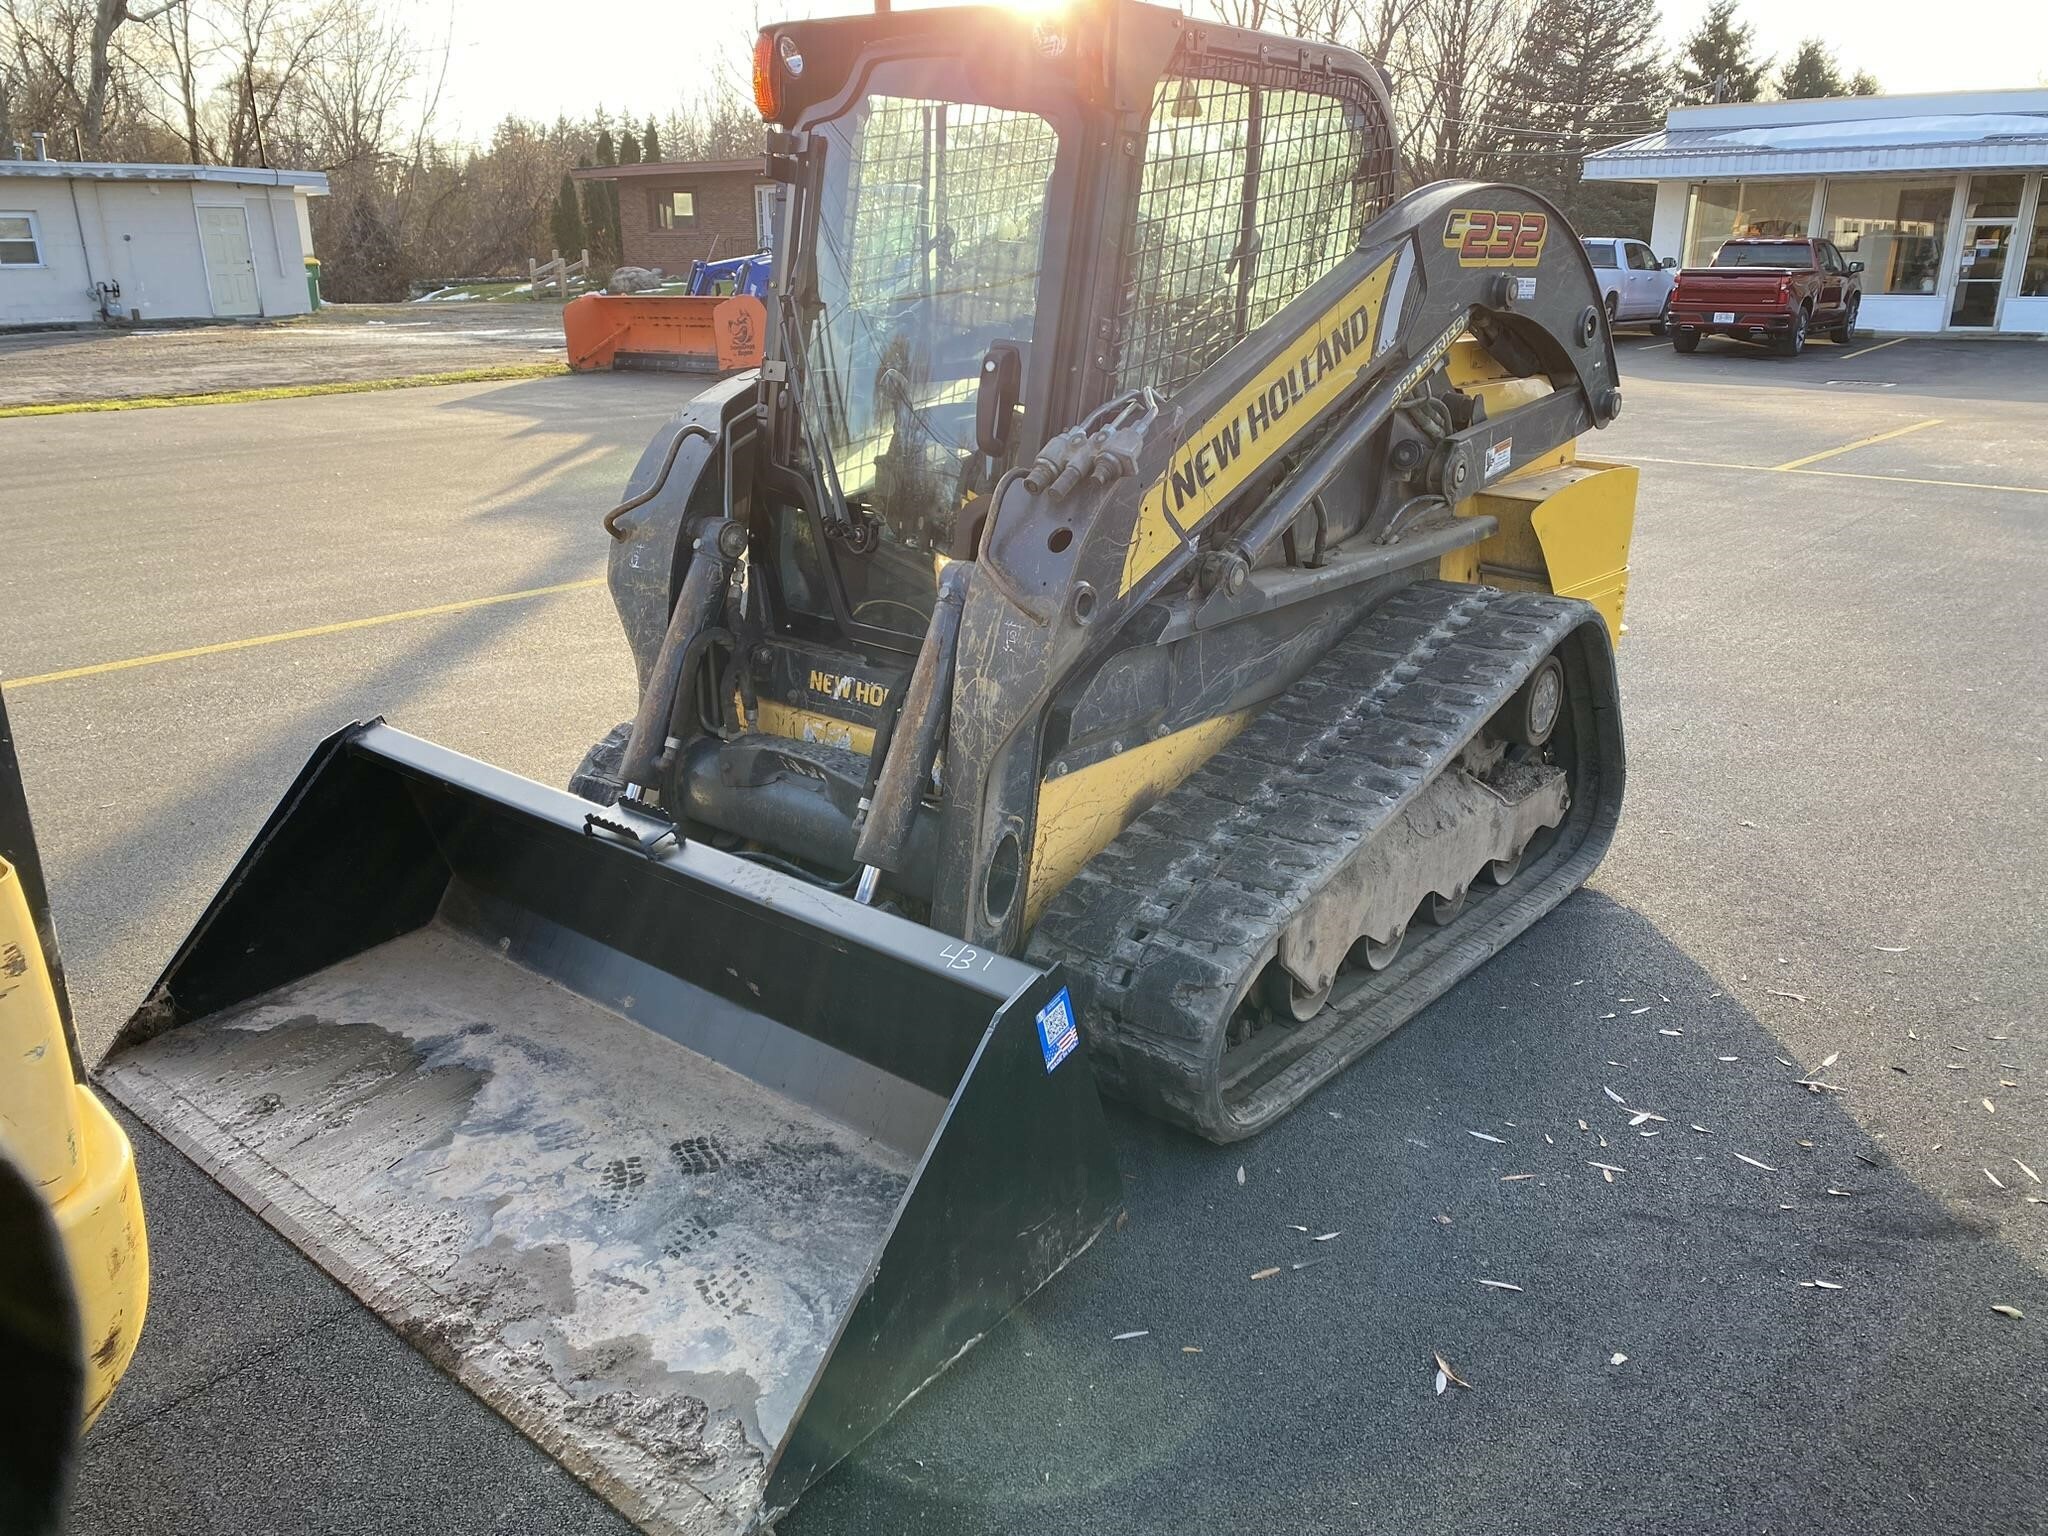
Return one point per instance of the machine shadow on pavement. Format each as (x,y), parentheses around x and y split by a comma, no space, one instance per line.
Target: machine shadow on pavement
(223,808)
(1691,1264)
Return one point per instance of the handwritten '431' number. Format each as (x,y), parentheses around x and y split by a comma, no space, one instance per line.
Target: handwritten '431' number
(964,957)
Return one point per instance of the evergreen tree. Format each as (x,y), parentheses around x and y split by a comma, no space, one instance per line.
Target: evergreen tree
(1719,61)
(597,225)
(629,149)
(1812,73)
(565,224)
(650,142)
(1585,75)
(1864,83)
(604,228)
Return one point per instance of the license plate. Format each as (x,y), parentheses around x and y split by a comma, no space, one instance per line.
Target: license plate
(1724,317)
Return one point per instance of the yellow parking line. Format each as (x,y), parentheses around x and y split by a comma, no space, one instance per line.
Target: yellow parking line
(299,634)
(1842,474)
(1861,442)
(1878,347)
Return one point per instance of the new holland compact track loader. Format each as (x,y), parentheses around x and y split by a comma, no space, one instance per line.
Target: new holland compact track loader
(1146,614)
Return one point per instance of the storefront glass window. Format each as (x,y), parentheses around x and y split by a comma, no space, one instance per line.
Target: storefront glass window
(2034,275)
(1995,197)
(1722,210)
(1895,227)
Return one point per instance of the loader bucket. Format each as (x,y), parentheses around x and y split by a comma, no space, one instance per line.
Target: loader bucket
(710,334)
(694,1171)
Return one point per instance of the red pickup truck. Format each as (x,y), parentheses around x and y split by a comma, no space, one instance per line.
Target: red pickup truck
(1779,291)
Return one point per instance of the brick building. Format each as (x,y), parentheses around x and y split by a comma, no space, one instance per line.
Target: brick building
(674,212)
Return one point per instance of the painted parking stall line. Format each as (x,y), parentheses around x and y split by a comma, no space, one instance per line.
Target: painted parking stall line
(220,647)
(1861,442)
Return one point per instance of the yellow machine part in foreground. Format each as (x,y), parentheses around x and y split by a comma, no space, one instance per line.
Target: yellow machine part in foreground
(73,1151)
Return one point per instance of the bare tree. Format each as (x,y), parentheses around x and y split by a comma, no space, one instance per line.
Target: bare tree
(109,16)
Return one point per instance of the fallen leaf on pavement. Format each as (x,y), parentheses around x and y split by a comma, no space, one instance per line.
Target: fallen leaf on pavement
(1767,1168)
(1797,997)
(1240,1173)
(1509,1178)
(1889,949)
(1445,1373)
(1612,1094)
(1820,1285)
(2004,1311)
(1135,1333)
(1265,1274)
(2023,1168)
(1617,1358)
(1996,1182)
(1499,1285)
(1191,1349)
(1832,1058)
(1498,1141)
(1326,1237)
(1989,1107)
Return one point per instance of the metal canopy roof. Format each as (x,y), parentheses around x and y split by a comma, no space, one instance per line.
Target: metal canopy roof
(315,182)
(1883,142)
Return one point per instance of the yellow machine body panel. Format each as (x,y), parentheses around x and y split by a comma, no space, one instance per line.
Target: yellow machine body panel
(1079,813)
(73,1151)
(1564,528)
(1477,372)
(773,718)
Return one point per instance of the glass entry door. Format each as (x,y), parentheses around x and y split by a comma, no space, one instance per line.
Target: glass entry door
(1990,210)
(1980,276)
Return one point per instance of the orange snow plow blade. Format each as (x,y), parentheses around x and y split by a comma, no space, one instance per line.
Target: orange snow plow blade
(712,334)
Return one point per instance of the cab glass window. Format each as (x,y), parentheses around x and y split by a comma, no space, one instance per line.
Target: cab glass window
(1248,195)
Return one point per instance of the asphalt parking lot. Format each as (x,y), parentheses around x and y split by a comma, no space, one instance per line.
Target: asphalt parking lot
(1776,1318)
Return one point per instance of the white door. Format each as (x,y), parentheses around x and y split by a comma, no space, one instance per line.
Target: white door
(764,218)
(230,266)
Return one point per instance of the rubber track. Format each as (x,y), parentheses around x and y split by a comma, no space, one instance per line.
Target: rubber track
(1163,930)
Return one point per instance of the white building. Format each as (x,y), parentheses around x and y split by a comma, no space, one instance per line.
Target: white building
(1941,197)
(152,242)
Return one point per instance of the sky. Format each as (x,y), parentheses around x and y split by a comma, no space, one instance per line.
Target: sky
(541,57)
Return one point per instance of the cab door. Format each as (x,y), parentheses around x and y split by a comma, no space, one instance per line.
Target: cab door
(1833,275)
(1628,303)
(1657,280)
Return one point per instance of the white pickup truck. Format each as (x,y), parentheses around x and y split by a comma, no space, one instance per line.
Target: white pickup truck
(1636,284)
